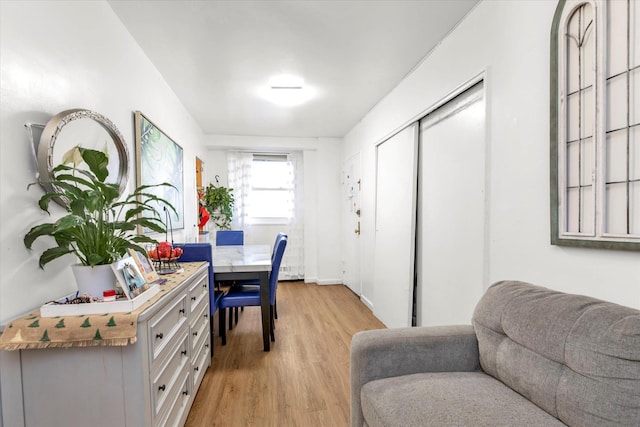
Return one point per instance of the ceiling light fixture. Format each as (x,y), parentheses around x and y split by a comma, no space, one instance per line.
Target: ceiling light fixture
(287,90)
(286,81)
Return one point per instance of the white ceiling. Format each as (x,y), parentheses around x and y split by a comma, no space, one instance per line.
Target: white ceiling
(216,55)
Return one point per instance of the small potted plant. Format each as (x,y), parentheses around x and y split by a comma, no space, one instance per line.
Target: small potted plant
(219,202)
(98,228)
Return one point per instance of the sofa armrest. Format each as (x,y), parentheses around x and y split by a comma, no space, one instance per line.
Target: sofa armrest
(388,353)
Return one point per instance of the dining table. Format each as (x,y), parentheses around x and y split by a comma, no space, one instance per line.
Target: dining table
(246,262)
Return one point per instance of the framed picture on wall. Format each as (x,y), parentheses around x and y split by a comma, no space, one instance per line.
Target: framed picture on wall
(158,160)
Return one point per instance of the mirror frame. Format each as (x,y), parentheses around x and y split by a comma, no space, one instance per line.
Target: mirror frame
(51,132)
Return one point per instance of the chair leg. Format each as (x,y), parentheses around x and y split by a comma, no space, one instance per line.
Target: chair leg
(275,306)
(272,324)
(221,324)
(236,314)
(212,332)
(230,318)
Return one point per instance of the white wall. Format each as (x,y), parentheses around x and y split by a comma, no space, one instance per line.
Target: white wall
(510,42)
(56,55)
(321,160)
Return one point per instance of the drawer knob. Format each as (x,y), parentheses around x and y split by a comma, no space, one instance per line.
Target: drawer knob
(193,298)
(183,352)
(196,369)
(206,316)
(160,335)
(181,311)
(162,387)
(195,334)
(186,392)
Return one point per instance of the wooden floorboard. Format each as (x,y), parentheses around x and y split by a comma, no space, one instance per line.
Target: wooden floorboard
(303,380)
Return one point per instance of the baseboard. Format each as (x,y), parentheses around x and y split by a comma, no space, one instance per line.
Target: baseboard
(330,282)
(322,281)
(366,302)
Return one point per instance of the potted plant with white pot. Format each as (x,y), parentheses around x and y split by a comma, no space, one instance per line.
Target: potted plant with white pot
(98,227)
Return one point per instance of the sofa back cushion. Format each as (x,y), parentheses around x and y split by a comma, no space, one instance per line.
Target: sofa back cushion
(576,357)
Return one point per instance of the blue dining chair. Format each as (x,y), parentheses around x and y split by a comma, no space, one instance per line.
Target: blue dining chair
(248,284)
(192,252)
(250,297)
(229,237)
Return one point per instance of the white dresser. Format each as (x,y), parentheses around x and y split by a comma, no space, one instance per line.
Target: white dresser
(150,383)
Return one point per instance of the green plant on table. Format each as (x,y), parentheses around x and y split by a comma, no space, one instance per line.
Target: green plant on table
(98,227)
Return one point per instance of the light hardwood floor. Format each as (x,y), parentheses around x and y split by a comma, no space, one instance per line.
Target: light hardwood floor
(304,379)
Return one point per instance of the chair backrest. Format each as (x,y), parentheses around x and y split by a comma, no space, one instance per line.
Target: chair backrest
(199,252)
(278,252)
(275,244)
(229,237)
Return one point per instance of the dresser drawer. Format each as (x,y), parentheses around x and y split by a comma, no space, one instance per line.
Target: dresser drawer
(198,292)
(197,308)
(201,361)
(177,404)
(165,324)
(199,330)
(167,379)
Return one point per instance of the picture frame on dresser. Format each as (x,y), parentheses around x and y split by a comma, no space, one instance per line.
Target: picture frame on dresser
(144,265)
(129,277)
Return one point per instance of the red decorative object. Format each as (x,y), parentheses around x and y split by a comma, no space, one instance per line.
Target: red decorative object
(164,251)
(164,257)
(204,217)
(109,295)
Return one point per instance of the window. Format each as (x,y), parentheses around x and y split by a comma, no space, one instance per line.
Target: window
(271,198)
(268,189)
(595,124)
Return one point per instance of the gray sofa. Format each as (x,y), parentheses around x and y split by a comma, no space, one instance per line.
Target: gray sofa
(532,357)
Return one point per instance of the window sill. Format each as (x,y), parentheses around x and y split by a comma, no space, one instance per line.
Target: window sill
(268,221)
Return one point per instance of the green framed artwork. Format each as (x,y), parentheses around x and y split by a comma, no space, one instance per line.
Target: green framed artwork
(159,160)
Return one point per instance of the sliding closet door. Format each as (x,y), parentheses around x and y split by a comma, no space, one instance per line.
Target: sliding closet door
(451,205)
(396,179)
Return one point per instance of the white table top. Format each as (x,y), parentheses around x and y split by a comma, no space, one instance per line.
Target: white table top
(240,258)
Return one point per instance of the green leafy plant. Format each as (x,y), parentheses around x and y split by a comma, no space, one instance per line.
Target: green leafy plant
(98,227)
(219,202)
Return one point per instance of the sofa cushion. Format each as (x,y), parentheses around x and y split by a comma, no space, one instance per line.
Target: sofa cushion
(448,399)
(576,357)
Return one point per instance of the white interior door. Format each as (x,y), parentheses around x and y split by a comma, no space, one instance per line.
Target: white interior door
(396,179)
(451,206)
(351,224)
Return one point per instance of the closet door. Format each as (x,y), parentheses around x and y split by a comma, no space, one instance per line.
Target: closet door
(396,178)
(451,210)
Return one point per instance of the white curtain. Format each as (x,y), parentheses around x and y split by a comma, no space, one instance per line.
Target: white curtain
(293,261)
(239,167)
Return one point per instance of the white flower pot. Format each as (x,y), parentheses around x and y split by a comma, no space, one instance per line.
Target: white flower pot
(94,280)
